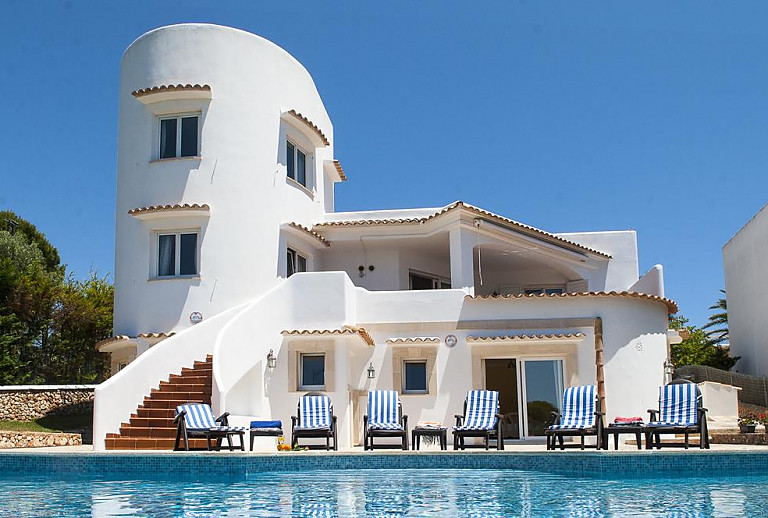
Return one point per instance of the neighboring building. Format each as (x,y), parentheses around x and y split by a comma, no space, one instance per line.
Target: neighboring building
(745,258)
(227,244)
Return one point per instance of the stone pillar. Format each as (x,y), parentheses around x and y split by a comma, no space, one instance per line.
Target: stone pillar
(462,260)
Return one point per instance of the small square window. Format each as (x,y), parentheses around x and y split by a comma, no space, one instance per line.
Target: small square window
(169,262)
(179,136)
(312,372)
(415,377)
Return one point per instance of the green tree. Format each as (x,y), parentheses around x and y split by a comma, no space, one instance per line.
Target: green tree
(49,321)
(718,321)
(697,348)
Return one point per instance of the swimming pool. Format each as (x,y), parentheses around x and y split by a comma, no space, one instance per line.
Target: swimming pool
(169,485)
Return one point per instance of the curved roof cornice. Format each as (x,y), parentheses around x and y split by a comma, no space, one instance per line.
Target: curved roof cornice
(671,304)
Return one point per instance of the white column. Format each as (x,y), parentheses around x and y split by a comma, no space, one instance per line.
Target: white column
(342,407)
(462,260)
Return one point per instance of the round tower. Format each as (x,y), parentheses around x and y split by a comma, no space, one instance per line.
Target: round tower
(224,149)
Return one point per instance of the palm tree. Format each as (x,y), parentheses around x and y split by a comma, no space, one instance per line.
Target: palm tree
(718,321)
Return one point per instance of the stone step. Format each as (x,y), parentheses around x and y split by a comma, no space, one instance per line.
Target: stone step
(177,378)
(147,432)
(173,403)
(155,413)
(133,443)
(166,387)
(141,422)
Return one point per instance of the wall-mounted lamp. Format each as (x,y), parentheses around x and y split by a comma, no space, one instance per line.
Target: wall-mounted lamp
(669,370)
(271,360)
(371,372)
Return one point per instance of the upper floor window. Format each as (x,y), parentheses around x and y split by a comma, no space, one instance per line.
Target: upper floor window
(296,262)
(176,254)
(296,163)
(179,136)
(421,281)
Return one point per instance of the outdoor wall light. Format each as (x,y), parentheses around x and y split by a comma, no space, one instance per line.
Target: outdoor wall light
(669,370)
(271,360)
(371,372)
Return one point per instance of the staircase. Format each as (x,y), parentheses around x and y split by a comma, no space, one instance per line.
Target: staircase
(151,427)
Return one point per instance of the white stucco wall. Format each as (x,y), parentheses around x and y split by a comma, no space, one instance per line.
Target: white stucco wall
(622,270)
(745,258)
(241,173)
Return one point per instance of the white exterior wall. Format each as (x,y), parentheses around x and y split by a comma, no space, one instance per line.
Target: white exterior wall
(622,270)
(241,174)
(745,258)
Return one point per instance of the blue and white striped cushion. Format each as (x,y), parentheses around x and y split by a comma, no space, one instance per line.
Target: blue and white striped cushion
(482,406)
(678,405)
(314,412)
(382,410)
(198,416)
(578,409)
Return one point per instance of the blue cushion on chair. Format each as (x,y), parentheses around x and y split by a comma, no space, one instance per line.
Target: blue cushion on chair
(266,424)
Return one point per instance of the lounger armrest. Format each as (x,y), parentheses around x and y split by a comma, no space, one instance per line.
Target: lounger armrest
(555,417)
(459,419)
(404,422)
(704,410)
(180,415)
(365,422)
(223,419)
(654,414)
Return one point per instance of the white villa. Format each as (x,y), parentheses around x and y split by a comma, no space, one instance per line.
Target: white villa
(745,259)
(228,245)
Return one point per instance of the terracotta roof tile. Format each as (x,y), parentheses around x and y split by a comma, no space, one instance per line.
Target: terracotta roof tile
(311,125)
(507,338)
(346,330)
(416,340)
(169,208)
(460,205)
(309,232)
(170,88)
(671,304)
(339,170)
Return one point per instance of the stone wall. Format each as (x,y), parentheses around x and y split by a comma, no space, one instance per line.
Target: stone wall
(28,402)
(37,439)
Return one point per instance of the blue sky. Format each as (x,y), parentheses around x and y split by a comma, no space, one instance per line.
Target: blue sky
(568,116)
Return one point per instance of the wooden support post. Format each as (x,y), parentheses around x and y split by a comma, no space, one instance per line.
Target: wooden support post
(599,362)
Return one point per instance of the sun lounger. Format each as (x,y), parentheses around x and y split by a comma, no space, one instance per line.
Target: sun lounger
(384,418)
(581,417)
(481,419)
(315,419)
(196,420)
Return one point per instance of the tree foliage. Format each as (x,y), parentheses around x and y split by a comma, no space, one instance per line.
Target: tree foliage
(718,321)
(699,348)
(49,321)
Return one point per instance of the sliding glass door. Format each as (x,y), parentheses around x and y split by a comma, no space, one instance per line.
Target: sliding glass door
(529,391)
(543,393)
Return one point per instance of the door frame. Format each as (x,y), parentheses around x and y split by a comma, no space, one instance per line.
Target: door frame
(522,407)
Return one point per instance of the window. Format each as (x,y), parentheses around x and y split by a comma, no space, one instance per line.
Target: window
(296,262)
(178,136)
(421,281)
(312,372)
(415,377)
(296,163)
(169,262)
(543,291)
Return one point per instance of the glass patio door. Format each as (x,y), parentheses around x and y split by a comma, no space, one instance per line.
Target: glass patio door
(542,384)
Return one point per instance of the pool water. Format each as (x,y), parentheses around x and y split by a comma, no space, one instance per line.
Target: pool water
(383,492)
